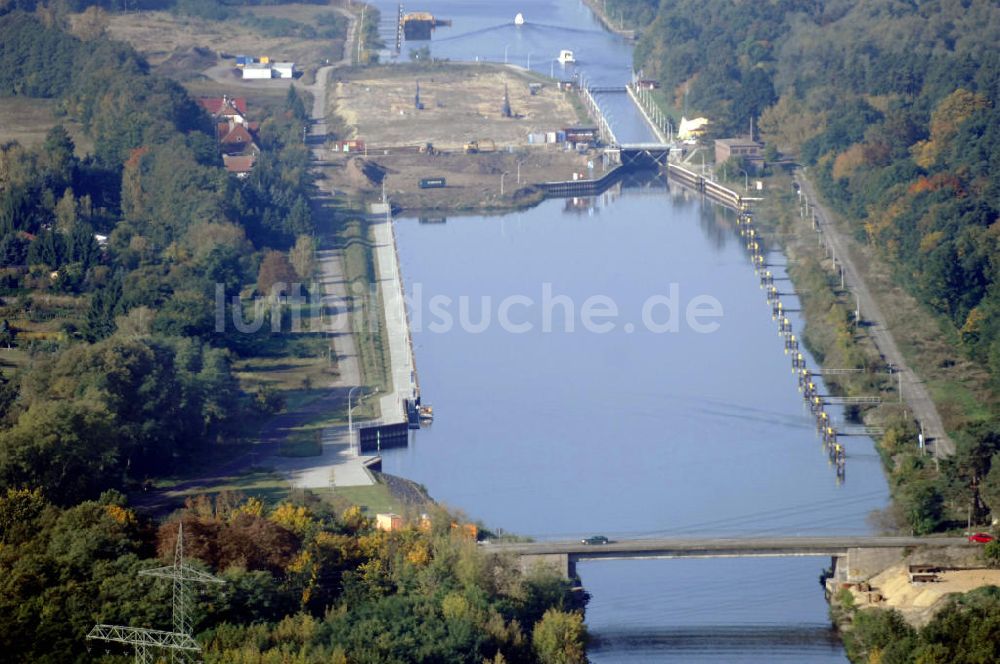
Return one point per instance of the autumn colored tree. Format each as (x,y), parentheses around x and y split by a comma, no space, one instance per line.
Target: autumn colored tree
(303,256)
(276,274)
(946,120)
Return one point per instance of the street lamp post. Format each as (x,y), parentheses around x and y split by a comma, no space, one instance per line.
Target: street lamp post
(518,174)
(746,180)
(502,175)
(350,413)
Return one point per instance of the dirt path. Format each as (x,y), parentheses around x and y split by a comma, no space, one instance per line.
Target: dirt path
(914,391)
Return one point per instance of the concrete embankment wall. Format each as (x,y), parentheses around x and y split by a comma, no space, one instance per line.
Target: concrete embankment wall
(645,114)
(582,187)
(713,190)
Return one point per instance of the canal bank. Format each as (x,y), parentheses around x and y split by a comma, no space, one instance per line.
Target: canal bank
(626,432)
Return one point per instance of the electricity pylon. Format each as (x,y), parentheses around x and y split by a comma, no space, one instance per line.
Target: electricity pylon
(179,642)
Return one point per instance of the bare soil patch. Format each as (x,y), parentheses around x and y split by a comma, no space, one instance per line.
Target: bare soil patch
(473,180)
(461,103)
(919,602)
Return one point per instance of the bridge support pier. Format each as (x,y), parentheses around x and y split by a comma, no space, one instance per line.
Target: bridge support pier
(863,564)
(562,564)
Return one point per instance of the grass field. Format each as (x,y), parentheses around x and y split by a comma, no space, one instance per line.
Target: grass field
(306,443)
(372,499)
(163,36)
(27,120)
(369,321)
(272,488)
(265,484)
(38,317)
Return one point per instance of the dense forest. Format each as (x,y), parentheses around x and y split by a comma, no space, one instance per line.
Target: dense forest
(628,13)
(117,256)
(138,351)
(301,584)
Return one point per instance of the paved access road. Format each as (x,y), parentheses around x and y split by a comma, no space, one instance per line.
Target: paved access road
(914,391)
(339,464)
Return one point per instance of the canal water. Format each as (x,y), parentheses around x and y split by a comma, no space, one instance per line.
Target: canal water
(610,366)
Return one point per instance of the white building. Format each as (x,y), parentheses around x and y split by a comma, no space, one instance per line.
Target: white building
(256,71)
(283,69)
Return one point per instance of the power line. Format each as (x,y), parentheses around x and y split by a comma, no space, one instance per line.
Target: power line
(179,642)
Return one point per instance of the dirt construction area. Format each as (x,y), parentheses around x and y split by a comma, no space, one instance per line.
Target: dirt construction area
(461,103)
(918,601)
(472,180)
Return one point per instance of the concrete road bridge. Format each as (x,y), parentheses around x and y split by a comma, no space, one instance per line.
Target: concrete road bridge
(855,557)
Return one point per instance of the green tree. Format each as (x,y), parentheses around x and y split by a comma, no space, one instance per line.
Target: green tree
(59,157)
(295,106)
(299,220)
(990,489)
(106,304)
(560,638)
(874,632)
(991,553)
(68,449)
(221,390)
(6,334)
(924,506)
(755,93)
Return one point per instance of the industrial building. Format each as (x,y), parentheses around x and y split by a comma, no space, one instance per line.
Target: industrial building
(747,149)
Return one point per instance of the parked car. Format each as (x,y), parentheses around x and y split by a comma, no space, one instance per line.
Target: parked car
(982,538)
(596,539)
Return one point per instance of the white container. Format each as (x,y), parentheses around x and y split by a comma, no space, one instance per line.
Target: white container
(256,72)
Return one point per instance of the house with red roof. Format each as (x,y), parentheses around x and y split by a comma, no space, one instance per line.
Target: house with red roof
(238,141)
(225,107)
(236,135)
(239,165)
